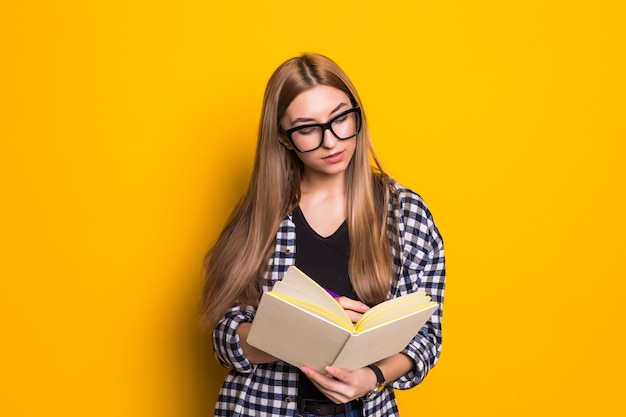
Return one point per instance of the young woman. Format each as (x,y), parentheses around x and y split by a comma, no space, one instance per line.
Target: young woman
(315,201)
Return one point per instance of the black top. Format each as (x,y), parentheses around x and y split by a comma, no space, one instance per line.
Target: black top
(325,259)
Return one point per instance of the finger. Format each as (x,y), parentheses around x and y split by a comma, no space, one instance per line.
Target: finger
(335,394)
(338,384)
(343,387)
(338,373)
(328,382)
(331,395)
(354,317)
(316,376)
(350,304)
(328,385)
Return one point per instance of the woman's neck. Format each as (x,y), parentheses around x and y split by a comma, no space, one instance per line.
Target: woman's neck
(327,185)
(323,202)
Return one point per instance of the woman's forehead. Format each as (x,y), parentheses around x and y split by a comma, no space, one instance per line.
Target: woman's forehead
(317,103)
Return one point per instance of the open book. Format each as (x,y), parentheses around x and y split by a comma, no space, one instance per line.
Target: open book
(300,323)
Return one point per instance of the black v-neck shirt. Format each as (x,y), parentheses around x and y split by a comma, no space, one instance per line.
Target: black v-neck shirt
(325,259)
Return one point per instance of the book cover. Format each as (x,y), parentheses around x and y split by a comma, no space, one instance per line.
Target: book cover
(300,323)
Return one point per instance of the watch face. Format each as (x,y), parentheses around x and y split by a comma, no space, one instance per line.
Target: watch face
(375,390)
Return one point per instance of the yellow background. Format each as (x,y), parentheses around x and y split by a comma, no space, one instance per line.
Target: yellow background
(127,132)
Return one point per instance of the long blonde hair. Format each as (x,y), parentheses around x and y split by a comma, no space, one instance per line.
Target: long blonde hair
(234,267)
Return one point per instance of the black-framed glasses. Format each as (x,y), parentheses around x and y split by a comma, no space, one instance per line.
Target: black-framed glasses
(309,137)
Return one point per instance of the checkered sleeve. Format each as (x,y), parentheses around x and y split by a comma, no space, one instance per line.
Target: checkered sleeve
(226,340)
(421,264)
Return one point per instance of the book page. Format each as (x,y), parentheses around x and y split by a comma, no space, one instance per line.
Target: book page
(411,297)
(298,285)
(391,315)
(315,309)
(392,309)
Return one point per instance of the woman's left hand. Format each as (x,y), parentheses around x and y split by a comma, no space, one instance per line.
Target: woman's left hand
(341,386)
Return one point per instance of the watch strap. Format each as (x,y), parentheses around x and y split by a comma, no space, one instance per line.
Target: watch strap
(380,378)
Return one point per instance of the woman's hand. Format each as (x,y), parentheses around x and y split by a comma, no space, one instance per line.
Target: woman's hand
(341,386)
(354,308)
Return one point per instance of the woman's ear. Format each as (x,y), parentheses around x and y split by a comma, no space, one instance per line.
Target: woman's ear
(285,141)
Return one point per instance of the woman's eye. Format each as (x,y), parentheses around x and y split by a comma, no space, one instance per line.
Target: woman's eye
(306,131)
(341,119)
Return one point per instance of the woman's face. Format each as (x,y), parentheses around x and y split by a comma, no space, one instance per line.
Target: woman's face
(319,105)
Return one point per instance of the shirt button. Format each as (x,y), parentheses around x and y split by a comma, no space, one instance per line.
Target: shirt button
(287,251)
(288,400)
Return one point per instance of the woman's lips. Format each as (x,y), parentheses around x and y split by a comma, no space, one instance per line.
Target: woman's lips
(334,158)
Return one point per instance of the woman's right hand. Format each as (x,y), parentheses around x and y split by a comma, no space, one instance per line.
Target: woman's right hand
(354,308)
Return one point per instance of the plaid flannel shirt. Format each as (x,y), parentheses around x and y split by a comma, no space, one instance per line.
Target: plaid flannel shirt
(271,389)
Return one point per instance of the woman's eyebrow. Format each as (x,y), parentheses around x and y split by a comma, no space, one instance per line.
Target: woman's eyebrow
(309,119)
(301,120)
(339,106)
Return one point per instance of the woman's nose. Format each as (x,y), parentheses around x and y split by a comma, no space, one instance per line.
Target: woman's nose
(330,140)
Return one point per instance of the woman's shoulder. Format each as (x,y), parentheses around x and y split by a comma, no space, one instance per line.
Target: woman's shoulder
(411,218)
(405,197)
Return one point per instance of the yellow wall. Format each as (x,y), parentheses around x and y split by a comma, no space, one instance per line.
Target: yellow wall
(127,130)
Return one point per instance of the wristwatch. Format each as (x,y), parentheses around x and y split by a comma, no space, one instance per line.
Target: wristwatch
(380,379)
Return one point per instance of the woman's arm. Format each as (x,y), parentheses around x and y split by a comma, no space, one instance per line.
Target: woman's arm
(227,342)
(423,267)
(254,355)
